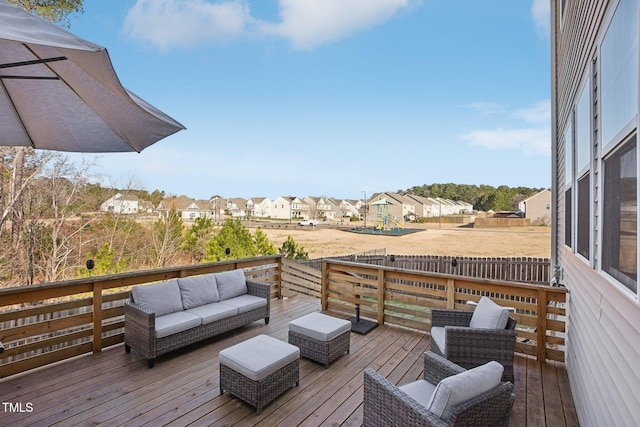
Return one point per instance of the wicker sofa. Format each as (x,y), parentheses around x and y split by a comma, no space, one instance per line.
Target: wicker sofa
(447,395)
(162,317)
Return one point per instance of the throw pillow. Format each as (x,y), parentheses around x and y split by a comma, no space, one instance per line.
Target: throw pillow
(464,386)
(489,315)
(231,284)
(159,298)
(198,290)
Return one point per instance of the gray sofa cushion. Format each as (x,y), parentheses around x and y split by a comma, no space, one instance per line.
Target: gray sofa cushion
(245,303)
(489,315)
(214,311)
(173,323)
(231,284)
(466,385)
(159,298)
(198,290)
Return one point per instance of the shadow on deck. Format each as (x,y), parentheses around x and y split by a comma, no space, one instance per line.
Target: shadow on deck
(115,388)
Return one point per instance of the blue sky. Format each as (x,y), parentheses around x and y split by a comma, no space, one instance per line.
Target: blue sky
(331,97)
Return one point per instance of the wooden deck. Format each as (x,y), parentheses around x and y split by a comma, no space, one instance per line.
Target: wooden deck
(114,388)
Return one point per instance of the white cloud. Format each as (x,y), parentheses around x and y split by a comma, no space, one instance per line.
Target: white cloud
(314,22)
(531,141)
(541,14)
(540,112)
(185,23)
(534,138)
(305,23)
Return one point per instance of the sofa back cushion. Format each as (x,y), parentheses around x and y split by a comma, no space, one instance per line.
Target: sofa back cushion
(464,386)
(231,284)
(159,298)
(489,315)
(198,290)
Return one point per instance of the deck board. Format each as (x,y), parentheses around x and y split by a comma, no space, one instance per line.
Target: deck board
(114,388)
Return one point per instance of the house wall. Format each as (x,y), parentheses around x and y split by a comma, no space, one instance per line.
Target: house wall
(603,324)
(603,347)
(538,207)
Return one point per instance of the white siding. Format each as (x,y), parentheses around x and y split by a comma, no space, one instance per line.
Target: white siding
(603,348)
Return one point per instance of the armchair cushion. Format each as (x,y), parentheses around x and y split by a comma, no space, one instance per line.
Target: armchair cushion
(464,386)
(438,338)
(197,291)
(489,315)
(231,284)
(159,298)
(421,391)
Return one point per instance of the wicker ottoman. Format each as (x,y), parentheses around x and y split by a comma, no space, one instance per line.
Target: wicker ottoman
(259,369)
(320,337)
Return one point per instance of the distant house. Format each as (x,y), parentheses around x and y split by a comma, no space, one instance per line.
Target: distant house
(237,207)
(259,207)
(398,208)
(218,205)
(281,207)
(319,208)
(121,204)
(188,208)
(348,207)
(537,207)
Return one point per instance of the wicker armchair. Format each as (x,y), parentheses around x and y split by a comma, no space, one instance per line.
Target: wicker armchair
(471,347)
(388,405)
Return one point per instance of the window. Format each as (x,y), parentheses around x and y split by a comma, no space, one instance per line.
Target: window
(568,174)
(583,225)
(582,146)
(620,231)
(619,71)
(567,217)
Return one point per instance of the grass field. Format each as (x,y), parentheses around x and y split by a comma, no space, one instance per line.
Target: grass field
(433,240)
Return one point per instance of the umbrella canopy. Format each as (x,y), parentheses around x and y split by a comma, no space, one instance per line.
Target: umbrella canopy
(60,92)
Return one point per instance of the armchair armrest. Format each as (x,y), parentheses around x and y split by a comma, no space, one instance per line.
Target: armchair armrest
(139,329)
(259,289)
(492,408)
(437,368)
(384,404)
(440,317)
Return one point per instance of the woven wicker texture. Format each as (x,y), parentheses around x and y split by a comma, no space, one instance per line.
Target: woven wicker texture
(323,352)
(139,327)
(384,404)
(259,393)
(469,347)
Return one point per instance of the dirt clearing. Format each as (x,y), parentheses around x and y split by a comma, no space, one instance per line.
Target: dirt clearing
(448,240)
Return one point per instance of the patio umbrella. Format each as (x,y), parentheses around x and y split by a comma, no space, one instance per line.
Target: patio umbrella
(60,92)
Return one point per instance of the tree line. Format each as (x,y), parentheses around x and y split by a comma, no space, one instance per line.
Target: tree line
(482,197)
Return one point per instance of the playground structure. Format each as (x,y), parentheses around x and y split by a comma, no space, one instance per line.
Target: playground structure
(384,220)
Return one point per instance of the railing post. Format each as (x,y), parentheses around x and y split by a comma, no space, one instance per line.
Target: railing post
(381,289)
(279,289)
(97,317)
(324,292)
(451,294)
(541,340)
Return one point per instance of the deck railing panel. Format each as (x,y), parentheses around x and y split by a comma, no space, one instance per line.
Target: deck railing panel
(46,323)
(391,295)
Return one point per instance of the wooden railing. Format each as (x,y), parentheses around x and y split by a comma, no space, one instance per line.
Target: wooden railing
(403,297)
(536,271)
(46,323)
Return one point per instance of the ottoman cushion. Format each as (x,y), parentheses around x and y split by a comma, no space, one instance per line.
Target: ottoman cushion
(320,326)
(259,356)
